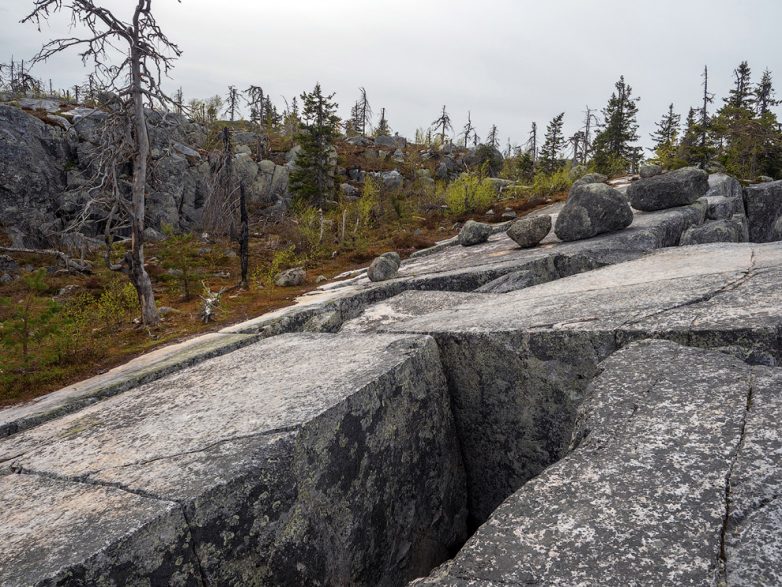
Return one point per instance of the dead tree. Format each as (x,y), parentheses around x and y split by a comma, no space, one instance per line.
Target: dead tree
(468,130)
(532,143)
(244,234)
(364,113)
(493,140)
(232,99)
(148,56)
(444,124)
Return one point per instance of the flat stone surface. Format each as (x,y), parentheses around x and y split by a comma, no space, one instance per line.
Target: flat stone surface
(65,533)
(643,497)
(147,367)
(280,453)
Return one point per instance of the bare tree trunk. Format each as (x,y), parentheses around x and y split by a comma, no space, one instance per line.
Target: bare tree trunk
(138,274)
(244,239)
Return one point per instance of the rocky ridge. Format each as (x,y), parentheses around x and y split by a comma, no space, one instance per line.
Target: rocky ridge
(490,390)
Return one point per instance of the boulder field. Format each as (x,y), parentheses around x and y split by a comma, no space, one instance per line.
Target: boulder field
(600,411)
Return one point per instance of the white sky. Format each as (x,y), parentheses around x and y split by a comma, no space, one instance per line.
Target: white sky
(508,61)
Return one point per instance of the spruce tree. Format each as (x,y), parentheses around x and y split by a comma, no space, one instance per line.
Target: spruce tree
(666,137)
(613,151)
(552,145)
(764,94)
(741,95)
(493,139)
(312,178)
(383,130)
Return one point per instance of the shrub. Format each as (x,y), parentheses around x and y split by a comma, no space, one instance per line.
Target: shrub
(118,303)
(469,193)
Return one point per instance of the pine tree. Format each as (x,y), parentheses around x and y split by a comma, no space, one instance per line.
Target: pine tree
(553,143)
(666,137)
(613,151)
(312,178)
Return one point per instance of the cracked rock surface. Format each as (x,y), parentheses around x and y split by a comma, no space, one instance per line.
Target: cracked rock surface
(265,466)
(666,483)
(518,367)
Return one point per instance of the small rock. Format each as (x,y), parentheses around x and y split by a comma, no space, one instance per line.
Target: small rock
(66,292)
(530,230)
(382,269)
(474,233)
(651,170)
(290,278)
(5,279)
(393,256)
(765,179)
(509,215)
(320,279)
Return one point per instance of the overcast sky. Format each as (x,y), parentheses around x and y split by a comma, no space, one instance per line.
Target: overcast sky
(510,62)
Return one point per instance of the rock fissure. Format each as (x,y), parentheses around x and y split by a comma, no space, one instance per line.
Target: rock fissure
(86,480)
(726,521)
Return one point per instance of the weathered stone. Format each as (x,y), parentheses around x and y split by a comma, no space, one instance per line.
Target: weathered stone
(650,170)
(474,233)
(530,230)
(301,459)
(382,268)
(590,210)
(290,277)
(38,104)
(663,447)
(763,203)
(394,257)
(733,230)
(677,188)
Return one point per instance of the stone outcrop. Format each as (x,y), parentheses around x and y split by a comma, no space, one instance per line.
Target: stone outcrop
(729,230)
(590,210)
(348,473)
(45,168)
(677,188)
(763,203)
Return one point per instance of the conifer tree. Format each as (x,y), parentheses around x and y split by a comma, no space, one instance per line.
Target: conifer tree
(764,94)
(613,151)
(552,145)
(741,95)
(666,137)
(232,103)
(311,179)
(383,130)
(364,114)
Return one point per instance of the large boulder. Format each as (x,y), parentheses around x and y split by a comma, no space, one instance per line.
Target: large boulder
(590,210)
(726,230)
(474,233)
(291,277)
(763,203)
(677,188)
(485,156)
(530,230)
